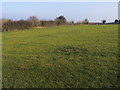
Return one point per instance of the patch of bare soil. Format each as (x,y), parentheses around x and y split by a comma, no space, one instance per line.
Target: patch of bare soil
(39,27)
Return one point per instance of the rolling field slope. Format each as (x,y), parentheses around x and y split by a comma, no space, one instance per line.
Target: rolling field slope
(62,56)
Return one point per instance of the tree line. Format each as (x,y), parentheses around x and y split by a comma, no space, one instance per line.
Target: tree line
(32,22)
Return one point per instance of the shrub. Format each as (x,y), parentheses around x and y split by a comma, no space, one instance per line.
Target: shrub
(34,20)
(47,23)
(16,25)
(86,21)
(61,20)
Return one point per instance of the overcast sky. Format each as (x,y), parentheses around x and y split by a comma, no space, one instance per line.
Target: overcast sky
(76,11)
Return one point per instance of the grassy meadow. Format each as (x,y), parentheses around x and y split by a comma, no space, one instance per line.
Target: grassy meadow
(80,56)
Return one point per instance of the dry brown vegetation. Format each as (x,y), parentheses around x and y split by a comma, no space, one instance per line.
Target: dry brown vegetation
(39,27)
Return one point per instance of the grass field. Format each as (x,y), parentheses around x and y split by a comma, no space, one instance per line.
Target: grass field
(61,56)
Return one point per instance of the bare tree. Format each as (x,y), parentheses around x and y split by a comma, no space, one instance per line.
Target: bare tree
(34,20)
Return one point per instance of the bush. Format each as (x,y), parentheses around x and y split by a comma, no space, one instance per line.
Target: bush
(86,21)
(61,20)
(34,20)
(16,25)
(47,23)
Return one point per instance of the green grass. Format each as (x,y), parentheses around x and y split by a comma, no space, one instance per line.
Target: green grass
(62,56)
